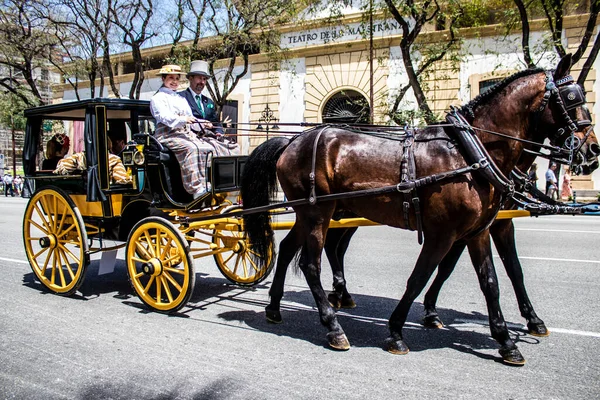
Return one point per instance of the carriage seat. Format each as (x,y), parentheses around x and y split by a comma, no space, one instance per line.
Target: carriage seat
(171,176)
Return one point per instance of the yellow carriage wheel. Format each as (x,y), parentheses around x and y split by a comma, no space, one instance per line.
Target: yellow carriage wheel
(55,240)
(159,264)
(234,258)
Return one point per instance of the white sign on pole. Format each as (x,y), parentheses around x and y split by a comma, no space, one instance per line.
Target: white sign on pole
(1,162)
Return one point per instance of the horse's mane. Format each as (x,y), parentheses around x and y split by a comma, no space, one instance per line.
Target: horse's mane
(467,109)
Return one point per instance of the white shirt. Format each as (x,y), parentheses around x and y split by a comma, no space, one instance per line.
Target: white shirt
(169,108)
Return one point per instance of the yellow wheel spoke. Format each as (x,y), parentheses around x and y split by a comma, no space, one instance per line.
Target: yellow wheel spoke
(173,281)
(39,253)
(69,229)
(158,289)
(136,259)
(147,287)
(253,264)
(43,271)
(245,266)
(233,254)
(142,250)
(175,270)
(43,218)
(55,212)
(67,264)
(68,252)
(166,249)
(59,268)
(165,285)
(148,250)
(41,228)
(53,275)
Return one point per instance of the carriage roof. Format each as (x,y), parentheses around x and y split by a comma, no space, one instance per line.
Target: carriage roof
(76,110)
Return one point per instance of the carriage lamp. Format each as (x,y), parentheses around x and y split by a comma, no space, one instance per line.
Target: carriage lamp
(139,158)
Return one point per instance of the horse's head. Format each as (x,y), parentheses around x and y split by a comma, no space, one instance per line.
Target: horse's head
(567,122)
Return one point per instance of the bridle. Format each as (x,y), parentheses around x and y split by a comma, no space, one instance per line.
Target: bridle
(568,96)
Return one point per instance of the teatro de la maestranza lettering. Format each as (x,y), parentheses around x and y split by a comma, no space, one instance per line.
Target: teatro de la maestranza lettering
(341,33)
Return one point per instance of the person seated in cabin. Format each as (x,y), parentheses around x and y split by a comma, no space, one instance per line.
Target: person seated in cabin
(76,162)
(56,148)
(174,119)
(118,137)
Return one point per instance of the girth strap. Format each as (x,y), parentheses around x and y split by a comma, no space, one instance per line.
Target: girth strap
(312,198)
(407,174)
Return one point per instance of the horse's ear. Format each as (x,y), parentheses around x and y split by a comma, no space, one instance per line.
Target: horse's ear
(563,67)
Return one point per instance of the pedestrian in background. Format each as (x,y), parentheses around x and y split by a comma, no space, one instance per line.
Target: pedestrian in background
(551,183)
(8,185)
(532,175)
(567,190)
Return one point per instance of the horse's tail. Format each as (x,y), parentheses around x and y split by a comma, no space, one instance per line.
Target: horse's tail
(259,184)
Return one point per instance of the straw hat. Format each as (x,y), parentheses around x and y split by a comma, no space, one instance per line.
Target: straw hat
(199,67)
(170,69)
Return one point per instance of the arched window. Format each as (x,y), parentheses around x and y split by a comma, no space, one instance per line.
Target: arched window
(346,106)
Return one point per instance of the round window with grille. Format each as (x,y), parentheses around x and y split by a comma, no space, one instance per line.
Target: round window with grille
(346,106)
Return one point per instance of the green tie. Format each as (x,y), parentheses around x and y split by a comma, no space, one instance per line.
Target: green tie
(199,102)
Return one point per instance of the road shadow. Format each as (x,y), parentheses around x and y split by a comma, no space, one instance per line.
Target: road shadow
(366,325)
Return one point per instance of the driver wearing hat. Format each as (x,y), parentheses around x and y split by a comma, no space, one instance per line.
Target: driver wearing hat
(202,107)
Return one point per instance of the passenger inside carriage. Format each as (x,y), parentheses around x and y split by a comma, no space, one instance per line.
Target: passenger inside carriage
(56,148)
(77,162)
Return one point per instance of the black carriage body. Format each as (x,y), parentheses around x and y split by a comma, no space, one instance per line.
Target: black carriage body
(113,209)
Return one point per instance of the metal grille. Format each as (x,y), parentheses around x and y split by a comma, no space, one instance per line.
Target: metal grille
(346,106)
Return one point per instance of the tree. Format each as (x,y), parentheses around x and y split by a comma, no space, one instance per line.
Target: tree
(25,43)
(133,18)
(240,28)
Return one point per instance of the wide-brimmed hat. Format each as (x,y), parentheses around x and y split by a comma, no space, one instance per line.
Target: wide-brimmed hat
(170,69)
(199,67)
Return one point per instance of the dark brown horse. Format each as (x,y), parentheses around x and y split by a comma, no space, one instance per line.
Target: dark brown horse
(525,106)
(502,232)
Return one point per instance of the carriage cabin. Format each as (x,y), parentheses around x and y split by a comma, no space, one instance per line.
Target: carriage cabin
(155,176)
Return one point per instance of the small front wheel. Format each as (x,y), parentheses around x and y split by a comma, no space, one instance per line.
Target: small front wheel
(160,268)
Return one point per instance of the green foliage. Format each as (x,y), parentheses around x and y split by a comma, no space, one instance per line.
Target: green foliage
(11,111)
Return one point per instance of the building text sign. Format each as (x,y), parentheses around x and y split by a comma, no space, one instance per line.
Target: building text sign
(343,33)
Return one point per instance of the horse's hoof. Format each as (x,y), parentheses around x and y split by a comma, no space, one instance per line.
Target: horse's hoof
(433,321)
(273,316)
(538,329)
(334,300)
(396,346)
(512,357)
(348,303)
(338,341)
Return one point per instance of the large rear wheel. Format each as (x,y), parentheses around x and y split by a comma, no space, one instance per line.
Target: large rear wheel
(160,268)
(234,258)
(55,240)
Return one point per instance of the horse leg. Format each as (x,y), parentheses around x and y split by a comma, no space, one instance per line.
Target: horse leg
(503,233)
(311,267)
(287,250)
(431,318)
(481,256)
(431,254)
(336,244)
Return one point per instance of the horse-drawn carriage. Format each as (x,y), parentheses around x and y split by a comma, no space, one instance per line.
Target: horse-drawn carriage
(70,217)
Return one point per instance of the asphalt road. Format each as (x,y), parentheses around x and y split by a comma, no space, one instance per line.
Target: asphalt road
(102,342)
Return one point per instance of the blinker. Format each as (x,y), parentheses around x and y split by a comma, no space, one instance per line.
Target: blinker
(572,96)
